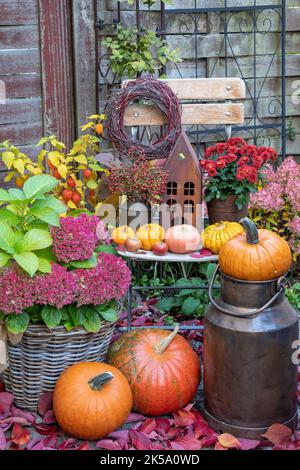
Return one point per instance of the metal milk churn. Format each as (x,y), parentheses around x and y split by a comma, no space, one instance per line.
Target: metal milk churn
(250,381)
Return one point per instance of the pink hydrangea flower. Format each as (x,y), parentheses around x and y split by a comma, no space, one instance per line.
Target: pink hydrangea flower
(17,290)
(57,288)
(109,280)
(76,238)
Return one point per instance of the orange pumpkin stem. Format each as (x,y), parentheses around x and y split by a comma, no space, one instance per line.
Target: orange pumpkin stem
(163,344)
(97,382)
(251,231)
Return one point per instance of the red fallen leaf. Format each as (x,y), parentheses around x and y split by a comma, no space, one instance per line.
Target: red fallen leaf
(69,444)
(13,420)
(218,446)
(183,418)
(30,418)
(202,253)
(201,428)
(123,444)
(139,440)
(248,444)
(45,430)
(148,426)
(50,441)
(6,400)
(188,442)
(122,434)
(35,444)
(49,417)
(134,417)
(20,436)
(45,403)
(108,444)
(2,440)
(209,440)
(278,434)
(176,446)
(228,441)
(140,321)
(163,425)
(84,446)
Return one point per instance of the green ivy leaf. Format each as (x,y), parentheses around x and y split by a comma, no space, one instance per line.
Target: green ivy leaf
(92,322)
(17,323)
(28,261)
(51,316)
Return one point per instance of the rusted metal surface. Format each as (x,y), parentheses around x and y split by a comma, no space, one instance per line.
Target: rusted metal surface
(29,132)
(250,381)
(57,70)
(85,59)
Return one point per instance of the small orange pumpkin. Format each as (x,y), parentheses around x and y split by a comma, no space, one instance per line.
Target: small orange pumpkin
(121,234)
(149,234)
(91,399)
(162,368)
(255,255)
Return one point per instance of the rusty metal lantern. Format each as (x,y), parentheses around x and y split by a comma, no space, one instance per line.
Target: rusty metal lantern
(250,381)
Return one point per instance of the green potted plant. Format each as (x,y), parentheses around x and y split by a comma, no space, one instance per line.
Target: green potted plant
(59,288)
(130,58)
(233,170)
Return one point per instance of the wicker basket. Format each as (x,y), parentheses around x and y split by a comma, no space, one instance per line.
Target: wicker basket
(38,360)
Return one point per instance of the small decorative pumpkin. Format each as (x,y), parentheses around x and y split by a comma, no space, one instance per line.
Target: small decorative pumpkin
(121,234)
(162,369)
(255,255)
(183,239)
(91,399)
(149,234)
(216,235)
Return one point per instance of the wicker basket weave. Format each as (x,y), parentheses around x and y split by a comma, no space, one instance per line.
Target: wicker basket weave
(38,360)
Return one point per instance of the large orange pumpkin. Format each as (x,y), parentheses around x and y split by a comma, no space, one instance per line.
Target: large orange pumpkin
(149,234)
(255,255)
(162,369)
(91,399)
(183,239)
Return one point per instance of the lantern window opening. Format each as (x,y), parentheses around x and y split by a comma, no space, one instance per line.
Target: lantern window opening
(189,189)
(189,206)
(172,188)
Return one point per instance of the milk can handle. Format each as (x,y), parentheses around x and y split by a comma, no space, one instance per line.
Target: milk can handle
(251,312)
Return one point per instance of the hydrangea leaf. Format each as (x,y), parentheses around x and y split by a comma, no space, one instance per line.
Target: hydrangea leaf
(89,263)
(28,261)
(4,258)
(93,322)
(47,215)
(35,239)
(51,316)
(44,266)
(17,323)
(37,185)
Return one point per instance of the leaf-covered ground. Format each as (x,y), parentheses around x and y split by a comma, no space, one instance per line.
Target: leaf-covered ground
(184,430)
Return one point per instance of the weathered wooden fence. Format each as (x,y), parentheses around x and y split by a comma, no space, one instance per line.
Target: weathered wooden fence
(48,64)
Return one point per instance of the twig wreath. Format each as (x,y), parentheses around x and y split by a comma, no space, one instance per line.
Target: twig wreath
(161,96)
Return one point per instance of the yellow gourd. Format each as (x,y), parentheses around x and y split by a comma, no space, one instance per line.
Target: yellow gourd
(149,234)
(216,235)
